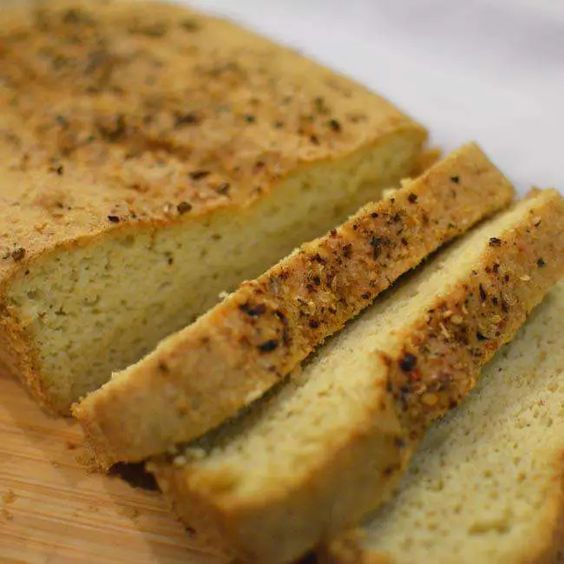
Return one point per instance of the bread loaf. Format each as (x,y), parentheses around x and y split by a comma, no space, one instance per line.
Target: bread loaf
(487,484)
(205,373)
(330,445)
(152,157)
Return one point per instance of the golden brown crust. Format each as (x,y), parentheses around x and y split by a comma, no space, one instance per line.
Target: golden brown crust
(261,332)
(424,380)
(118,116)
(156,114)
(339,489)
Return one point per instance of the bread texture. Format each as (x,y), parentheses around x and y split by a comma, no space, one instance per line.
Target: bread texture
(330,445)
(152,157)
(487,484)
(207,372)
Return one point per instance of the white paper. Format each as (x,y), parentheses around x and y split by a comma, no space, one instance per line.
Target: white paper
(489,71)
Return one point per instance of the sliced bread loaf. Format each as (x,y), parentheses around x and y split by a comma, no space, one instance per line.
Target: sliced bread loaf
(330,445)
(151,157)
(204,374)
(487,484)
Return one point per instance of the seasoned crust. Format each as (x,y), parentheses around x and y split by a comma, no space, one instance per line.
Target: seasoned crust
(152,113)
(121,119)
(305,504)
(205,373)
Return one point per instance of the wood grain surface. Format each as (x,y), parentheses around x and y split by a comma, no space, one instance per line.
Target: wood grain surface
(54,509)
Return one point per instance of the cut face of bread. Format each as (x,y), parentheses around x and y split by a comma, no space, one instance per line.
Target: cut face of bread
(205,373)
(330,445)
(487,482)
(150,158)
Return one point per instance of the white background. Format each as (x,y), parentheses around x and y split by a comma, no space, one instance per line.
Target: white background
(490,71)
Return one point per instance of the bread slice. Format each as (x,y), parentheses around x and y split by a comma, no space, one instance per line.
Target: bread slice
(152,157)
(204,374)
(330,445)
(487,484)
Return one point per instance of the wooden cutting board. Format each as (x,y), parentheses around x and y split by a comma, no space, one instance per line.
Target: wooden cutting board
(54,509)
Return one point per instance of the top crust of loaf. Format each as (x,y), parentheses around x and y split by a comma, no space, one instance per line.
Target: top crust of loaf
(116,114)
(203,374)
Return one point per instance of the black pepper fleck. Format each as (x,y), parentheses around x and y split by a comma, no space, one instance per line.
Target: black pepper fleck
(376,244)
(18,254)
(495,242)
(190,25)
(541,262)
(408,362)
(412,198)
(183,207)
(199,174)
(223,188)
(335,125)
(113,218)
(455,179)
(253,310)
(189,118)
(268,346)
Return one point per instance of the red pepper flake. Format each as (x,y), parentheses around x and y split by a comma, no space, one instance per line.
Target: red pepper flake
(495,242)
(268,346)
(18,254)
(113,218)
(541,262)
(412,198)
(183,207)
(407,362)
(199,174)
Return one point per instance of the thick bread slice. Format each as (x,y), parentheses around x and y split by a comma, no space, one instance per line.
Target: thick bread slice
(204,374)
(487,484)
(330,445)
(151,157)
